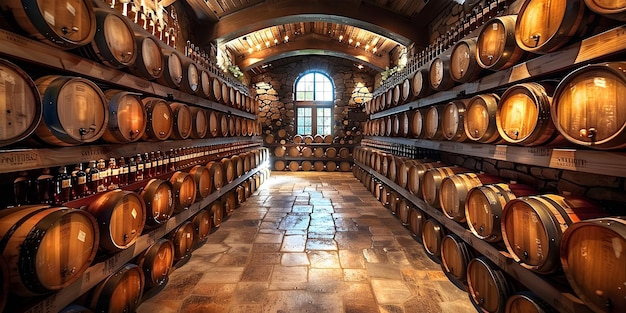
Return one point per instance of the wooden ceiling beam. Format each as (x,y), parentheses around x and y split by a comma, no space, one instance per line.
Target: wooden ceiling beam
(270,13)
(312,44)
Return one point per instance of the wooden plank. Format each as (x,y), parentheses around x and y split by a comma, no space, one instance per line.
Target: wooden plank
(591,49)
(98,272)
(555,295)
(588,161)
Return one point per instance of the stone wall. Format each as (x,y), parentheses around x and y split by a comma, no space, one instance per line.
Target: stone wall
(275,89)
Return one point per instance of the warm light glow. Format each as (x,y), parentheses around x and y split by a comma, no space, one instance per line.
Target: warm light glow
(267,44)
(258,47)
(275,41)
(340,38)
(350,40)
(286,38)
(367,47)
(358,43)
(250,50)
(374,50)
(360,66)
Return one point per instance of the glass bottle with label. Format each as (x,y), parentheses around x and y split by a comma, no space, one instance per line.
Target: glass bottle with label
(79,182)
(147,166)
(104,176)
(140,167)
(62,186)
(114,174)
(159,163)
(123,179)
(93,178)
(45,187)
(172,162)
(132,171)
(21,189)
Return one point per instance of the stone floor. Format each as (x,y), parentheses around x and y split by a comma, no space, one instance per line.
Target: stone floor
(310,242)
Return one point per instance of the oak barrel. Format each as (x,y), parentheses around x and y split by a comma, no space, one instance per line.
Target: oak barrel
(345,166)
(432,235)
(205,88)
(306,165)
(172,70)
(182,238)
(318,166)
(190,82)
(331,166)
(532,227)
(452,121)
(419,84)
(463,64)
(238,163)
(593,259)
(149,63)
(159,200)
(199,123)
(454,189)
(455,255)
(527,302)
(433,129)
(182,124)
(21,101)
(544,26)
(416,222)
(279,165)
(225,94)
(523,114)
(232,125)
(74,110)
(229,202)
(127,117)
(484,205)
(615,9)
(293,151)
(216,86)
(160,123)
(431,182)
(406,93)
(201,226)
(416,124)
(156,262)
(294,166)
(480,119)
(588,109)
(439,76)
(318,152)
(120,292)
(331,152)
(114,40)
(217,172)
(204,183)
(4,283)
(395,126)
(46,248)
(64,24)
(488,286)
(214,126)
(224,127)
(217,212)
(416,170)
(403,209)
(229,170)
(183,190)
(496,48)
(121,217)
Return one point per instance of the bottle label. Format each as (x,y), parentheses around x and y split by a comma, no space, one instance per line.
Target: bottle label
(148,165)
(159,162)
(140,167)
(82,180)
(115,171)
(95,176)
(66,183)
(104,174)
(124,170)
(154,164)
(166,161)
(133,169)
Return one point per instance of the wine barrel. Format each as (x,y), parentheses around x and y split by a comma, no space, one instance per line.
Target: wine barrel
(416,170)
(238,163)
(615,9)
(488,286)
(454,189)
(523,115)
(318,166)
(216,86)
(586,108)
(279,165)
(160,123)
(403,121)
(190,82)
(204,89)
(406,93)
(328,139)
(294,151)
(204,183)
(217,212)
(393,199)
(306,165)
(149,63)
(225,94)
(279,151)
(224,128)
(232,97)
(4,283)
(389,98)
(114,40)
(318,152)
(392,167)
(182,238)
(46,249)
(120,292)
(496,48)
(229,170)
(344,152)
(64,24)
(480,119)
(214,125)
(527,302)
(232,126)
(318,138)
(127,117)
(294,166)
(75,111)
(199,123)
(331,166)
(395,126)
(331,152)
(431,182)
(455,255)
(484,205)
(345,166)
(156,262)
(416,222)
(432,235)
(217,172)
(402,172)
(452,121)
(306,152)
(395,95)
(201,226)
(416,122)
(21,101)
(439,77)
(173,69)
(419,84)
(567,20)
(532,228)
(308,139)
(238,130)
(463,64)
(121,217)
(297,139)
(388,126)
(248,159)
(593,260)
(229,202)
(75,308)
(183,190)
(157,195)
(433,129)
(403,209)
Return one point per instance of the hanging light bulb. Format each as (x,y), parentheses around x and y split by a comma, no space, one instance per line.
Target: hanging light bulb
(340,38)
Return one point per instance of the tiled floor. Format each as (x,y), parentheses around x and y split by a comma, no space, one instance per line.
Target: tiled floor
(310,242)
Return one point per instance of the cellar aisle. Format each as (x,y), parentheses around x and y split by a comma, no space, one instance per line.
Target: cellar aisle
(310,242)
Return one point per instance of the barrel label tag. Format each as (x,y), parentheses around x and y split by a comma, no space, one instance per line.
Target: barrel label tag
(110,264)
(134,213)
(566,159)
(81,236)
(188,235)
(49,17)
(70,8)
(499,153)
(20,159)
(539,152)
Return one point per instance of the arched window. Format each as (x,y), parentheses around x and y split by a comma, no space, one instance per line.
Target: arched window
(314,104)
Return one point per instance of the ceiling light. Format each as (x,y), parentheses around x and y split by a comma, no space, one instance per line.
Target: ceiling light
(250,50)
(374,50)
(358,43)
(350,40)
(267,44)
(286,38)
(367,47)
(258,47)
(275,41)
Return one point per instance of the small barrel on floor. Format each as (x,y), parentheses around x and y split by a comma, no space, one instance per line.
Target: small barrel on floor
(120,292)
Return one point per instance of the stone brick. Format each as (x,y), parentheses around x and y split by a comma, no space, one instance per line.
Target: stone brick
(606,194)
(567,186)
(521,168)
(591,180)
(508,174)
(469,163)
(490,168)
(551,173)
(505,165)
